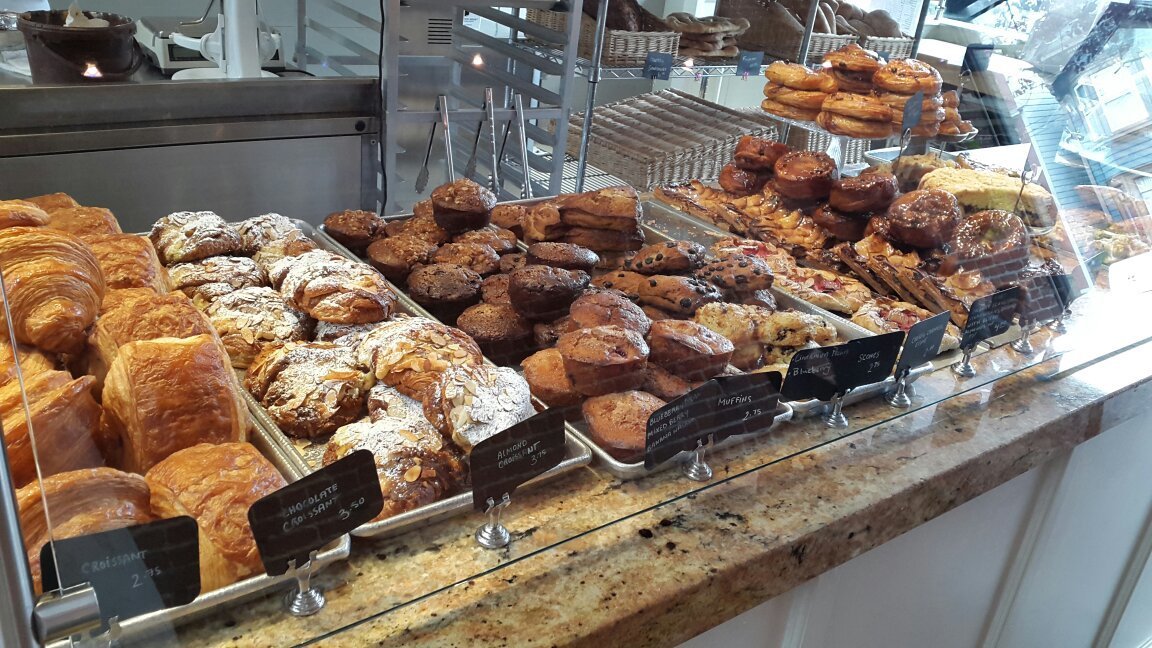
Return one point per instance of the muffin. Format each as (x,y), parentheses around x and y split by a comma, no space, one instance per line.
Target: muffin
(562,255)
(661,383)
(510,217)
(514,261)
(503,335)
(547,334)
(670,257)
(544,293)
(608,307)
(462,205)
(499,239)
(422,226)
(396,256)
(445,289)
(689,350)
(354,228)
(544,371)
(472,403)
(604,359)
(477,257)
(619,422)
(494,290)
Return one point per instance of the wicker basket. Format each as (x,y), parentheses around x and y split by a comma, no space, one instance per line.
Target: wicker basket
(621,48)
(889,48)
(776,39)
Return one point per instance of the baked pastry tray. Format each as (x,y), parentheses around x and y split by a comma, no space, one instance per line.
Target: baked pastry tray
(576,453)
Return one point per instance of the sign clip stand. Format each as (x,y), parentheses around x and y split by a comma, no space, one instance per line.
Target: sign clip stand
(493,534)
(1023,345)
(965,369)
(899,397)
(697,470)
(304,600)
(835,418)
(1058,325)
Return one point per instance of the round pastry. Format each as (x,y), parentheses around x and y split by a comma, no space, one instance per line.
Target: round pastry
(923,130)
(206,280)
(858,128)
(422,226)
(741,182)
(737,275)
(788,112)
(604,359)
(758,153)
(854,82)
(252,319)
(510,217)
(409,352)
(878,225)
(864,193)
(678,295)
(258,231)
(862,107)
(308,388)
(842,226)
(354,228)
(510,262)
(994,241)
(445,288)
(625,281)
(619,422)
(494,290)
(499,239)
(503,335)
(689,350)
(477,257)
(853,58)
(908,76)
(607,307)
(544,371)
(16,213)
(562,255)
(668,257)
(541,292)
(950,99)
(462,205)
(956,128)
(803,99)
(805,175)
(471,403)
(897,101)
(925,218)
(794,75)
(395,257)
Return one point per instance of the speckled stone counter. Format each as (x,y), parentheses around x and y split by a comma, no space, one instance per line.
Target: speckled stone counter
(600,562)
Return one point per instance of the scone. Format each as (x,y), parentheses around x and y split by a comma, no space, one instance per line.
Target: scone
(408,353)
(472,403)
(619,422)
(190,236)
(250,320)
(544,371)
(677,295)
(604,359)
(737,276)
(669,257)
(625,281)
(206,280)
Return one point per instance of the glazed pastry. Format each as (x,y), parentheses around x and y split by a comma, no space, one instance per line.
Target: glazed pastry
(854,82)
(625,281)
(540,292)
(54,287)
(841,226)
(21,213)
(853,58)
(977,190)
(446,289)
(409,352)
(737,275)
(510,217)
(396,256)
(206,280)
(619,422)
(925,218)
(869,192)
(32,361)
(759,153)
(168,394)
(477,257)
(292,245)
(415,464)
(607,307)
(562,255)
(669,257)
(128,261)
(804,175)
(190,236)
(216,485)
(494,290)
(677,295)
(250,320)
(471,403)
(861,107)
(908,76)
(788,112)
(794,75)
(354,228)
(501,240)
(687,349)
(462,205)
(309,388)
(83,222)
(828,290)
(544,371)
(65,421)
(604,359)
(741,182)
(852,127)
(514,261)
(885,315)
(503,335)
(897,102)
(53,201)
(993,242)
(258,231)
(331,288)
(802,99)
(422,226)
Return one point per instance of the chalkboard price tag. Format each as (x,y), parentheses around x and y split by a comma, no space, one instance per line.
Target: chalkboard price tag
(308,514)
(680,424)
(913,111)
(811,375)
(134,570)
(869,360)
(990,316)
(922,343)
(744,404)
(526,450)
(658,65)
(1044,298)
(748,64)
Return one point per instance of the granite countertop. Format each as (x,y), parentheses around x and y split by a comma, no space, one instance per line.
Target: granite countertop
(757,531)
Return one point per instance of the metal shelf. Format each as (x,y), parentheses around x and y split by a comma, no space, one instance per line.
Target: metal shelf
(684,67)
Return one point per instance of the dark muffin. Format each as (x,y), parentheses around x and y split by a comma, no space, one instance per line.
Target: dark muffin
(504,336)
(354,228)
(544,371)
(445,289)
(608,307)
(670,257)
(494,290)
(689,350)
(562,255)
(476,256)
(625,281)
(619,422)
(514,261)
(738,275)
(499,239)
(396,256)
(462,205)
(547,334)
(604,359)
(544,293)
(510,217)
(677,295)
(421,226)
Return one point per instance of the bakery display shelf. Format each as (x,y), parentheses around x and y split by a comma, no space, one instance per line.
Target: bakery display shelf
(683,67)
(816,128)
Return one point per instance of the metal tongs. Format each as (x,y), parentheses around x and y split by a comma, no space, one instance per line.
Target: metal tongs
(518,109)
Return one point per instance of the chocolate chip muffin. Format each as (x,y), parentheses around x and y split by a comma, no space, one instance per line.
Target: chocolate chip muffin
(678,295)
(689,350)
(608,307)
(541,292)
(503,335)
(670,257)
(562,255)
(499,239)
(604,359)
(445,289)
(738,276)
(619,422)
(462,205)
(514,261)
(475,256)
(396,256)
(626,281)
(544,371)
(354,228)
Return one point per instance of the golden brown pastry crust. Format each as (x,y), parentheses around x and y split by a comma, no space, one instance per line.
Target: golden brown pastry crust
(16,213)
(852,58)
(604,359)
(409,352)
(799,77)
(65,421)
(617,422)
(189,236)
(50,202)
(463,195)
(852,127)
(620,201)
(789,112)
(802,99)
(908,76)
(128,261)
(250,320)
(84,222)
(862,107)
(544,371)
(331,288)
(208,279)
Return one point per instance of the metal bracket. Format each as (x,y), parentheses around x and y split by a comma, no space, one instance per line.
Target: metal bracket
(66,613)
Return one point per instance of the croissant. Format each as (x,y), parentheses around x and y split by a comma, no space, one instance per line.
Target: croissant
(80,502)
(32,361)
(53,201)
(54,287)
(64,423)
(14,213)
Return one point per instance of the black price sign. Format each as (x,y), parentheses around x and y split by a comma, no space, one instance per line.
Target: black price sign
(990,316)
(1045,297)
(658,65)
(134,570)
(308,514)
(506,460)
(749,64)
(913,111)
(679,425)
(744,404)
(823,373)
(811,375)
(922,343)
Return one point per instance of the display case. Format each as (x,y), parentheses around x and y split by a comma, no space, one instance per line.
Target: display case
(254,392)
